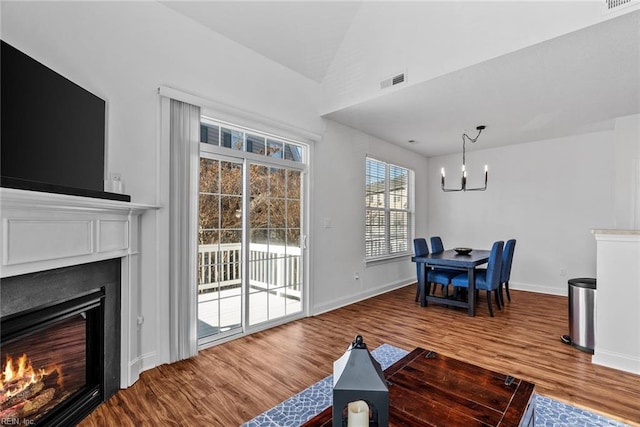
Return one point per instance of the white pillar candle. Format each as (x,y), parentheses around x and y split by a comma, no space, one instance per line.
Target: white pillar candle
(358,414)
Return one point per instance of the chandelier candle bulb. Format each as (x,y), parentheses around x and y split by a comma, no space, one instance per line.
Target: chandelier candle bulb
(463,178)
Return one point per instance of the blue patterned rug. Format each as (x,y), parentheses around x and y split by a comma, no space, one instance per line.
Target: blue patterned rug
(313,400)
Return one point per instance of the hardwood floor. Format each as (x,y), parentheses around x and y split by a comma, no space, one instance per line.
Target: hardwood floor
(231,383)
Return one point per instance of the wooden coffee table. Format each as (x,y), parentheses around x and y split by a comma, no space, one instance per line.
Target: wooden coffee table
(428,389)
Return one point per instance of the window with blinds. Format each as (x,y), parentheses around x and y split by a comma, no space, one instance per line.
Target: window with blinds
(388,209)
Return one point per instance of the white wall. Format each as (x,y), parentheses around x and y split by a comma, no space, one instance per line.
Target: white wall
(338,196)
(547,195)
(479,31)
(618,259)
(123,51)
(627,172)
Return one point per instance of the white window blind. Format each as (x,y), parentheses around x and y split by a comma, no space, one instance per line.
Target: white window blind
(388,209)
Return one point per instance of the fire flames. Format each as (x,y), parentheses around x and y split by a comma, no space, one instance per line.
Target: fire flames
(21,375)
(23,389)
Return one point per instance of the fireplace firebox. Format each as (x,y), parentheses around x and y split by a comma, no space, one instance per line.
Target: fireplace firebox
(52,368)
(59,349)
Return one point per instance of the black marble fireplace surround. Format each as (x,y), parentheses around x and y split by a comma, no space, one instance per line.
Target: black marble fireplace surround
(88,293)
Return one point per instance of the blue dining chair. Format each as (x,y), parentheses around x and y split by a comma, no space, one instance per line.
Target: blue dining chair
(436,244)
(420,248)
(505,272)
(488,279)
(441,276)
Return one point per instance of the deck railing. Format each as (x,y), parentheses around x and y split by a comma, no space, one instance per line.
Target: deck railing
(270,267)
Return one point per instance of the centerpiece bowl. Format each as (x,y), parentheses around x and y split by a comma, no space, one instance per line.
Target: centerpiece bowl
(463,251)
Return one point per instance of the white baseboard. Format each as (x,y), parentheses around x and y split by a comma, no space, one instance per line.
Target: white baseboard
(136,366)
(344,301)
(623,362)
(148,361)
(350,299)
(541,289)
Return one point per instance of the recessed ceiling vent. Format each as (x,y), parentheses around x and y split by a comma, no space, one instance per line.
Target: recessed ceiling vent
(392,81)
(612,5)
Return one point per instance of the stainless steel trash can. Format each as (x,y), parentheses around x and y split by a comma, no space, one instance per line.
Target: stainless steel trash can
(582,300)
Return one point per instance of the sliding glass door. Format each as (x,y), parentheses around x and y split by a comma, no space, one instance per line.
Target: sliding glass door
(275,243)
(220,247)
(250,244)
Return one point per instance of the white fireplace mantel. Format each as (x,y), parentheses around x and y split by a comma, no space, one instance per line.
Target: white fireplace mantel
(42,231)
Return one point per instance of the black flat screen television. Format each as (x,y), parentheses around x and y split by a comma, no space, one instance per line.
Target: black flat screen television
(52,131)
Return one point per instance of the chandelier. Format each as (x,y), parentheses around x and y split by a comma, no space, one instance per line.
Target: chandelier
(463,178)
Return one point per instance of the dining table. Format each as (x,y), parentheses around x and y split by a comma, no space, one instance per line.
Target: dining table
(452,260)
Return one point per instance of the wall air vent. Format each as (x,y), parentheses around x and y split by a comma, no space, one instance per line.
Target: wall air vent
(392,81)
(613,5)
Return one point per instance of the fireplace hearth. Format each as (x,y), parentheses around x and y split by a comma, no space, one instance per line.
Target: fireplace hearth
(60,350)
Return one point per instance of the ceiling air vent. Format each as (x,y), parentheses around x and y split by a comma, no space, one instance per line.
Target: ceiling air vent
(392,81)
(611,5)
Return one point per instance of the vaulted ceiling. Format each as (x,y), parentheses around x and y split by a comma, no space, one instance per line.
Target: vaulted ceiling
(527,70)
